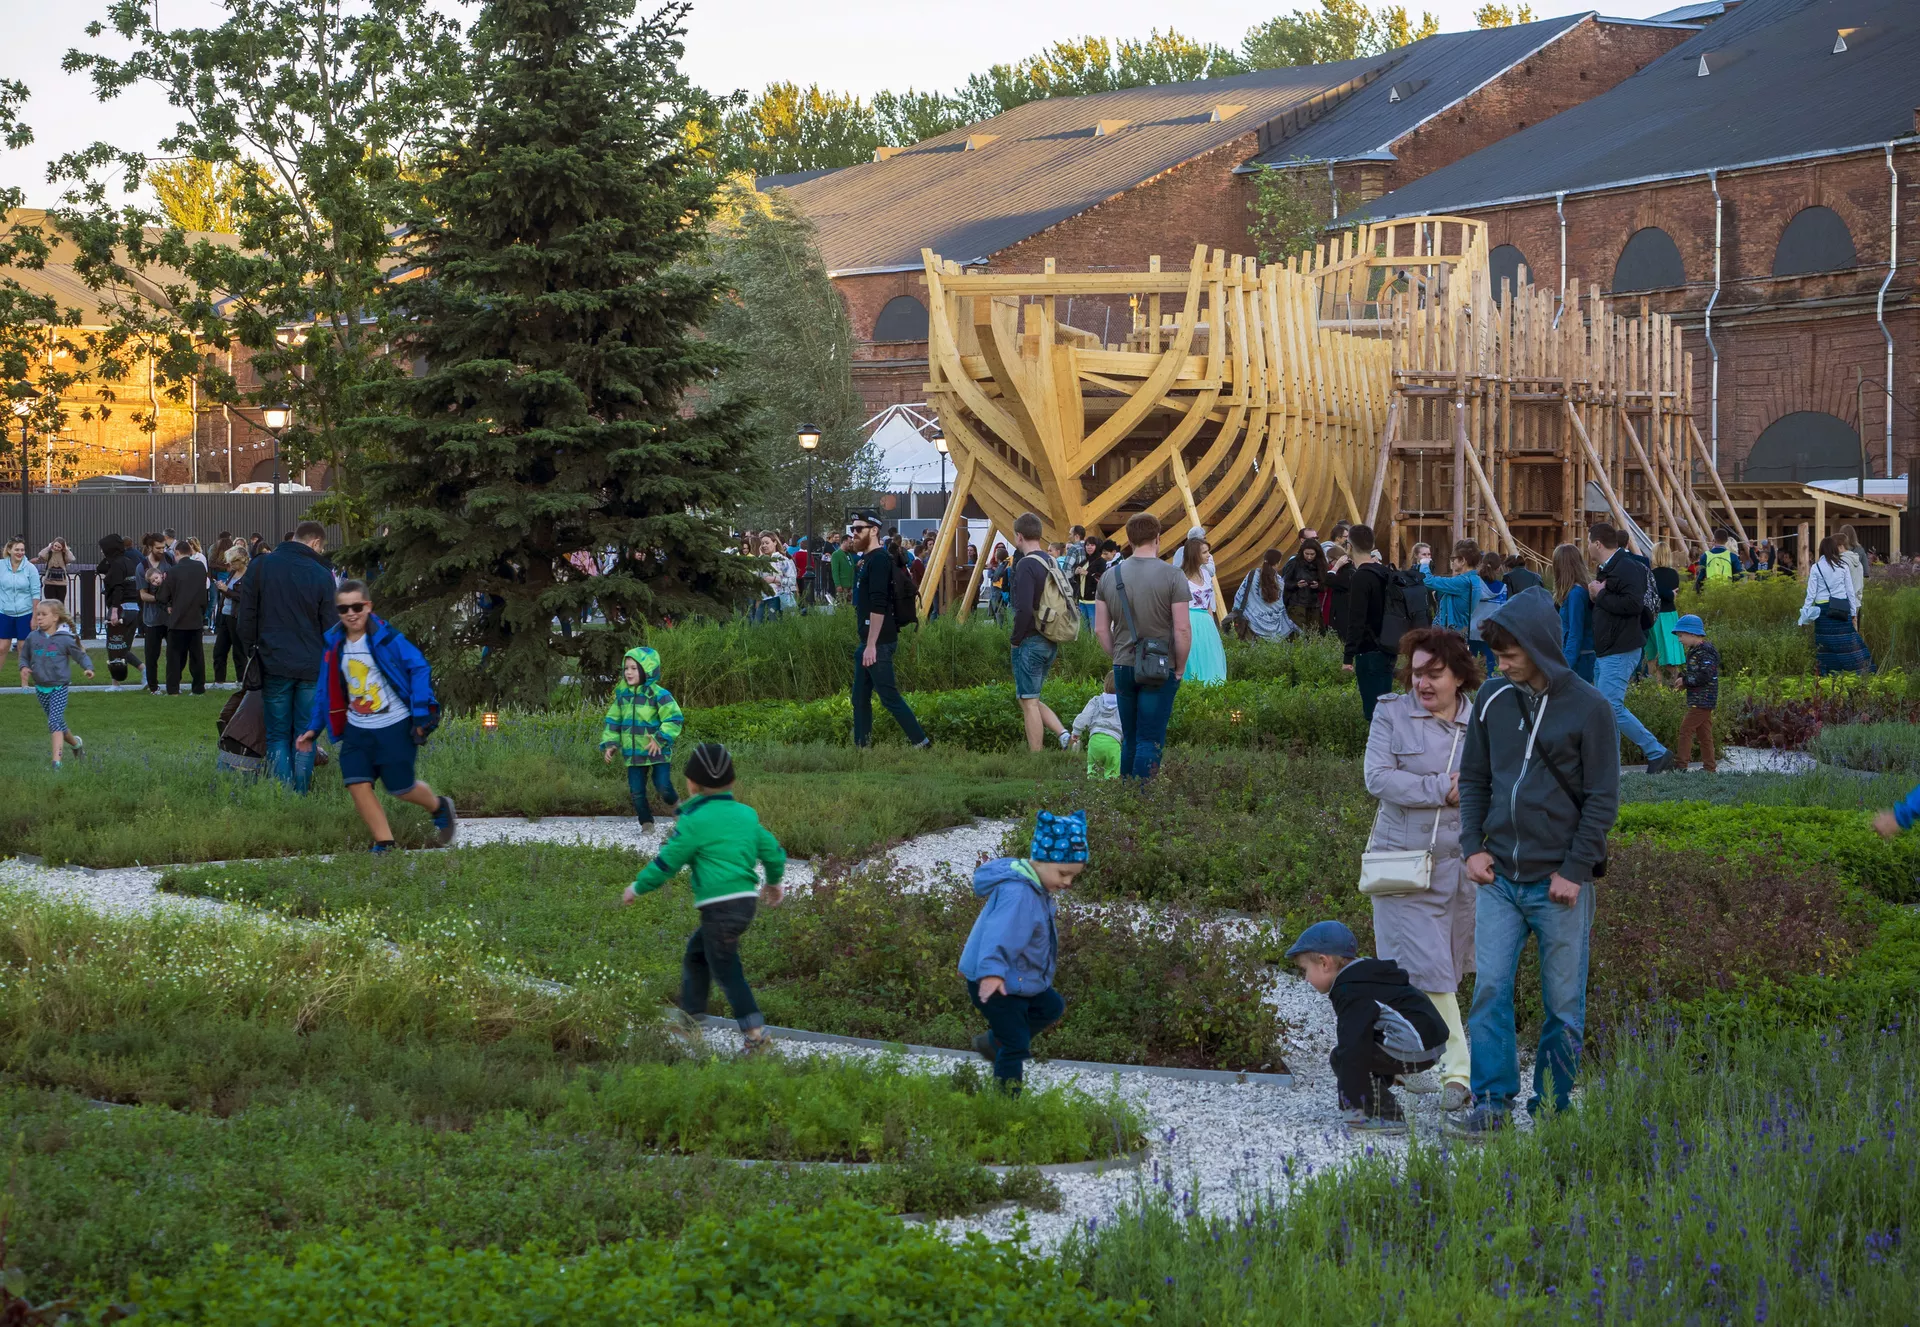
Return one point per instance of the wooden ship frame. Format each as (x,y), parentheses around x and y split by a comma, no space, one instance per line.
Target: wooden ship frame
(1382,378)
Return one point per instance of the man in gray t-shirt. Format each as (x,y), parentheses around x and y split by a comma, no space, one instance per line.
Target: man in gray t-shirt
(1157,595)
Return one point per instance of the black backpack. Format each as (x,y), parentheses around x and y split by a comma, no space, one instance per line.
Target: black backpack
(1408,608)
(906,599)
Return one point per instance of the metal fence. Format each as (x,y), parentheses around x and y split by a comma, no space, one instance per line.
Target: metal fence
(82,519)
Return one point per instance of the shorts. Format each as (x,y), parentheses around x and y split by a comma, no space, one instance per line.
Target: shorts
(387,752)
(16,628)
(1032,658)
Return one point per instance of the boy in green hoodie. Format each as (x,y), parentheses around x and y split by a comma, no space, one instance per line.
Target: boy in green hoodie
(724,844)
(642,723)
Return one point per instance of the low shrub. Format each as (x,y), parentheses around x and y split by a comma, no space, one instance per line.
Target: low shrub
(1711,1173)
(1876,747)
(1843,841)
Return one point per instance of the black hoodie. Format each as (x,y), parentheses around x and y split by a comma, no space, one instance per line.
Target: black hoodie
(1375,1005)
(1510,804)
(119,572)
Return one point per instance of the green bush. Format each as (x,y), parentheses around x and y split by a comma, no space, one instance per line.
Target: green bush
(1877,747)
(1841,840)
(843,1264)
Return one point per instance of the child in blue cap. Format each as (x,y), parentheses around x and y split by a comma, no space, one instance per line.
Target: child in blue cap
(1010,954)
(1385,1027)
(1700,675)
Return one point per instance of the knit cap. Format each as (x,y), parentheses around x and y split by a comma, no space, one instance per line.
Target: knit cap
(710,766)
(1059,838)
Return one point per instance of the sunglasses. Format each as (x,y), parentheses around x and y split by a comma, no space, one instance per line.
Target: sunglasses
(360,607)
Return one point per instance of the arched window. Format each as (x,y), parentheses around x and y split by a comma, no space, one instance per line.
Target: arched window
(1808,444)
(1651,261)
(1816,240)
(1504,264)
(904,319)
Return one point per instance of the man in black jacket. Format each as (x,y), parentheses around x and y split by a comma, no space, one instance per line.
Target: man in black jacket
(182,596)
(1618,592)
(1366,579)
(283,609)
(119,573)
(879,627)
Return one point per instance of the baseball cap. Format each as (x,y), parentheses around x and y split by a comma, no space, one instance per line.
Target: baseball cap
(1332,938)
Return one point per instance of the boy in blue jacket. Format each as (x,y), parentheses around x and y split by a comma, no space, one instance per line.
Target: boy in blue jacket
(1010,954)
(1456,595)
(375,697)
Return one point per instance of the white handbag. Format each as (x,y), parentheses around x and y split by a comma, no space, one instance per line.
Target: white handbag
(1409,870)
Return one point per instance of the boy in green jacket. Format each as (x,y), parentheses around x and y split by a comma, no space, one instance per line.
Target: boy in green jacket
(724,843)
(642,723)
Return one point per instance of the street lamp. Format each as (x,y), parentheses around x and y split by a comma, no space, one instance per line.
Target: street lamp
(21,409)
(274,418)
(809,437)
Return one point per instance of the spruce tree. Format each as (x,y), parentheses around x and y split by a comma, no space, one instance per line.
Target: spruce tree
(557,410)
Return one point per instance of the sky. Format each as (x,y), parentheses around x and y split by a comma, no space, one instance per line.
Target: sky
(860,46)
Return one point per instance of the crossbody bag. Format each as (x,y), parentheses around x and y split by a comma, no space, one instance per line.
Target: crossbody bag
(1407,870)
(1566,785)
(1153,657)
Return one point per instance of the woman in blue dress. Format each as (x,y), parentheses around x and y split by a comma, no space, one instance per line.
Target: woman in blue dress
(1207,657)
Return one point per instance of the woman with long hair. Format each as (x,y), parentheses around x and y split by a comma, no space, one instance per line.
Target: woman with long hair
(225,641)
(1856,564)
(1576,609)
(1663,648)
(1261,602)
(1829,606)
(1305,582)
(1207,656)
(53,561)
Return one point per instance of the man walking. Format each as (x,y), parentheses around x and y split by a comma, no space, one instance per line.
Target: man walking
(1539,788)
(1369,582)
(1033,653)
(842,565)
(1141,611)
(1618,593)
(873,615)
(182,597)
(283,609)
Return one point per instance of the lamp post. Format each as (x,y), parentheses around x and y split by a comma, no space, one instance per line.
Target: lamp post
(274,418)
(809,437)
(21,409)
(940,445)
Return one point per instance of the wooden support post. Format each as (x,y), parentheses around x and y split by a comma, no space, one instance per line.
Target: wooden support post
(1720,487)
(1380,466)
(971,595)
(1803,555)
(1599,469)
(943,542)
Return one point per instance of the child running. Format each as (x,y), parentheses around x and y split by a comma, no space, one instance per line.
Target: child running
(1011,952)
(642,724)
(1098,729)
(375,696)
(50,651)
(724,844)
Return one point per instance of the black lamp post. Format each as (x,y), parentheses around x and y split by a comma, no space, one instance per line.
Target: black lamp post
(21,410)
(809,437)
(274,418)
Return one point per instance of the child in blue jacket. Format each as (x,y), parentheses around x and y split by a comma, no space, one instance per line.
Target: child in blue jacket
(1456,595)
(375,697)
(1010,954)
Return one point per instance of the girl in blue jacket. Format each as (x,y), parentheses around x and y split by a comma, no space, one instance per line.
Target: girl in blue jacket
(1456,595)
(1010,954)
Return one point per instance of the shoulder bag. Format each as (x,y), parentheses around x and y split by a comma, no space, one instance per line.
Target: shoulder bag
(1153,657)
(1408,870)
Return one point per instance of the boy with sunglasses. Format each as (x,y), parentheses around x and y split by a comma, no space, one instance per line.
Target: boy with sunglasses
(376,699)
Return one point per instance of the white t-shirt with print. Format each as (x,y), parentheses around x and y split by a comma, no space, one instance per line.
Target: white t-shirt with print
(371,702)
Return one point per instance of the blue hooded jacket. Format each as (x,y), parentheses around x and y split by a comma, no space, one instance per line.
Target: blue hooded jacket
(1013,938)
(1456,597)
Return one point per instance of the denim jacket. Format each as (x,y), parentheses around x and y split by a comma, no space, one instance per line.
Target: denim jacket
(1456,597)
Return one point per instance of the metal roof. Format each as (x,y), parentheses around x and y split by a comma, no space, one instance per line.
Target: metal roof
(787,179)
(974,191)
(1775,90)
(1429,76)
(1694,13)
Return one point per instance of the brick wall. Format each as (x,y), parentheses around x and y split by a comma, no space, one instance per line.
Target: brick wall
(1786,344)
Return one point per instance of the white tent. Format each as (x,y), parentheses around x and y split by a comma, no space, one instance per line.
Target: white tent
(908,459)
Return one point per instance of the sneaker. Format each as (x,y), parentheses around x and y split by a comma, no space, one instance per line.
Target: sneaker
(926,744)
(1664,765)
(757,1042)
(1455,1096)
(380,846)
(984,1047)
(1424,1082)
(445,823)
(1359,1121)
(78,747)
(1066,740)
(1475,1125)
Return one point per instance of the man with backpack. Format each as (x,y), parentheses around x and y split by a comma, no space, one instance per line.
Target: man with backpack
(1625,605)
(1721,564)
(1044,618)
(878,612)
(1376,618)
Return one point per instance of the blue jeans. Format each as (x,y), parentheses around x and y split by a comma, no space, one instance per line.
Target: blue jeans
(288,704)
(1013,1021)
(1086,616)
(661,776)
(1144,713)
(879,678)
(1611,673)
(1504,915)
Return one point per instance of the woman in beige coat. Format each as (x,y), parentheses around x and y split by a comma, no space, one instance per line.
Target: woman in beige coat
(1413,767)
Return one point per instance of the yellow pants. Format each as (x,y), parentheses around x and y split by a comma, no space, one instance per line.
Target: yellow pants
(1456,1062)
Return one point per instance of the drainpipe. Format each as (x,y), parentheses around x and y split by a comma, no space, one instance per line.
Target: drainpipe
(1880,304)
(1333,188)
(1713,390)
(1560,210)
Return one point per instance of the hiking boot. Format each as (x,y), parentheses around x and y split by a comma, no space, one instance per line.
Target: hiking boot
(445,822)
(1475,1125)
(983,1045)
(757,1042)
(1455,1096)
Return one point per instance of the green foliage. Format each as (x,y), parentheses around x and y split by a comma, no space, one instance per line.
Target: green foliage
(1878,747)
(1843,841)
(789,128)
(1499,16)
(199,195)
(1090,64)
(1711,1173)
(548,426)
(1289,206)
(1337,30)
(845,1264)
(792,355)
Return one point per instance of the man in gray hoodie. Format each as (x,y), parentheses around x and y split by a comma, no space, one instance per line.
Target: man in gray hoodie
(1539,789)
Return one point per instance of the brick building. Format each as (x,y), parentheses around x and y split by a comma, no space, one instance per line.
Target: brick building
(1758,184)
(1114,179)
